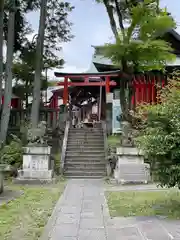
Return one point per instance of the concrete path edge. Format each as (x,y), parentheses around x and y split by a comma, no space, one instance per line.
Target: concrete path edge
(52,219)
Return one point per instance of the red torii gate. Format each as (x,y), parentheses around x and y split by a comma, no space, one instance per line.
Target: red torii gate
(87,80)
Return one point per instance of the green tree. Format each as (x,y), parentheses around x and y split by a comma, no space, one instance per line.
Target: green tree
(23,74)
(53,29)
(24,68)
(159,135)
(137,48)
(22,28)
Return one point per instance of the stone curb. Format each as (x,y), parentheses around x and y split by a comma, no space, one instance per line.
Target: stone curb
(52,220)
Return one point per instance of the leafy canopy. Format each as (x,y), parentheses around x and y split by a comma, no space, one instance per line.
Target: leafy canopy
(139,45)
(57,30)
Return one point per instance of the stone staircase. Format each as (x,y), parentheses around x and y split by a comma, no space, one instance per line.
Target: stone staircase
(85,156)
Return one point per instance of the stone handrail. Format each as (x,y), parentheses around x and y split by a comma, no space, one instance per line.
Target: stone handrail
(105,145)
(64,146)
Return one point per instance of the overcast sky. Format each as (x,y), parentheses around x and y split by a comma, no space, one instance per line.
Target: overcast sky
(90,27)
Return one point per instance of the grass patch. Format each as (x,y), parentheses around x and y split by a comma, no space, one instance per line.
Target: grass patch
(141,203)
(114,140)
(25,217)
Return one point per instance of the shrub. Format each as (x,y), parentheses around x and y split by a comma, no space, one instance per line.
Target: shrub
(12,154)
(159,136)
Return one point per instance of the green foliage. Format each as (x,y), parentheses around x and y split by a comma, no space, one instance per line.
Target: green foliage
(57,31)
(12,154)
(22,28)
(159,136)
(23,72)
(138,46)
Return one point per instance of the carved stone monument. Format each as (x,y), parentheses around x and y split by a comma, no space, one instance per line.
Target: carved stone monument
(36,164)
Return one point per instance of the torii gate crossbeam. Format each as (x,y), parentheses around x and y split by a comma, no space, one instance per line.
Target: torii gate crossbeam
(87,79)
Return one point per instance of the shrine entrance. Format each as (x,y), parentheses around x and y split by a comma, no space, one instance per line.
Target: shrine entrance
(84,94)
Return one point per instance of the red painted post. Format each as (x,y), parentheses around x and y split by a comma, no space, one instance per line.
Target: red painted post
(135,92)
(145,88)
(149,90)
(163,82)
(86,79)
(65,91)
(153,90)
(56,105)
(133,96)
(107,79)
(141,90)
(138,89)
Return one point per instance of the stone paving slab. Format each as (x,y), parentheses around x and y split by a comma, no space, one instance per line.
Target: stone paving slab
(82,214)
(89,234)
(130,233)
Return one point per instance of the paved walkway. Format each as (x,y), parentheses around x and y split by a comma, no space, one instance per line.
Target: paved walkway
(82,214)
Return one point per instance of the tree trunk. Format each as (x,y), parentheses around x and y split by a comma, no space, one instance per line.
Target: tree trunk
(1,46)
(38,68)
(26,94)
(158,6)
(109,10)
(120,18)
(8,75)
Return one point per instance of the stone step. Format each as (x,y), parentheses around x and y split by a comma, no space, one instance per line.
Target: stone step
(87,141)
(85,163)
(86,132)
(85,135)
(85,152)
(85,147)
(76,145)
(87,138)
(84,173)
(89,168)
(84,177)
(86,129)
(85,159)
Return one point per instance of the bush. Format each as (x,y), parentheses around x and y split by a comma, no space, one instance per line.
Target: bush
(12,154)
(159,136)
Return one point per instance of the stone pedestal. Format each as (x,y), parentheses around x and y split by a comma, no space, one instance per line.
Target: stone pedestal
(130,167)
(36,164)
